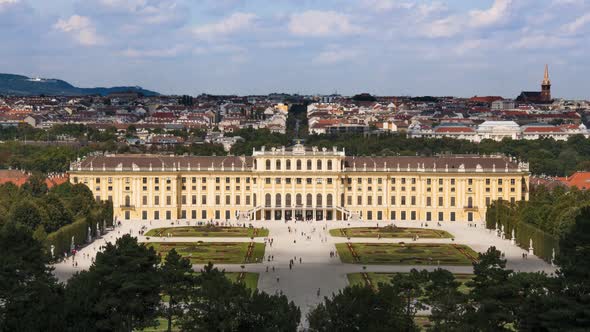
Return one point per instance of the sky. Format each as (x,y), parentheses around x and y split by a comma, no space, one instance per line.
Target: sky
(384,47)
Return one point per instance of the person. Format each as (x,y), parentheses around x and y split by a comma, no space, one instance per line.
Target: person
(318,292)
(267,269)
(299,260)
(277,279)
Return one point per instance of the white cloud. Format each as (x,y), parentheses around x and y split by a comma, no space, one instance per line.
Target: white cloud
(317,23)
(442,28)
(281,44)
(154,53)
(542,41)
(575,26)
(386,5)
(337,55)
(234,23)
(81,28)
(499,12)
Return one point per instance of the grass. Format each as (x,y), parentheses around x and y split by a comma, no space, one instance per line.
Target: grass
(214,252)
(380,277)
(207,231)
(391,232)
(162,326)
(407,254)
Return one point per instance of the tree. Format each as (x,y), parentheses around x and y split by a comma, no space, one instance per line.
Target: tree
(409,287)
(176,281)
(30,297)
(35,185)
(217,304)
(574,253)
(123,288)
(359,308)
(493,296)
(446,302)
(26,213)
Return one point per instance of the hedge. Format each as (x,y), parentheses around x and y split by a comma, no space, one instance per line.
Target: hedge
(62,238)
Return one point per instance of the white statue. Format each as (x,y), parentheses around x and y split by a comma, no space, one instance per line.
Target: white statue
(52,248)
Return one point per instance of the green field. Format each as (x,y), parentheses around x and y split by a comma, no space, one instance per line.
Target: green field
(207,231)
(214,252)
(379,277)
(391,232)
(407,254)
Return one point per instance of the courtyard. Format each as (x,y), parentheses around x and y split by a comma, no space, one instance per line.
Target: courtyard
(406,254)
(312,242)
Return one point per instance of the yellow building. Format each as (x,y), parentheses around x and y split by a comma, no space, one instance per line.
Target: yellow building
(303,183)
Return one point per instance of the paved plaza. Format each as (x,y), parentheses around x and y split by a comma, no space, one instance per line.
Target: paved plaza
(311,242)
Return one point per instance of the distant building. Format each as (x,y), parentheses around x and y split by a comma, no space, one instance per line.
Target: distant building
(581,180)
(538,97)
(504,104)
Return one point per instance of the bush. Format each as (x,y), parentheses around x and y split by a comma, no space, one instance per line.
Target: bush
(62,238)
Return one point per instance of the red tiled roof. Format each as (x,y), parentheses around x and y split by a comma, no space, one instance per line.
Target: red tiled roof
(578,179)
(454,130)
(543,129)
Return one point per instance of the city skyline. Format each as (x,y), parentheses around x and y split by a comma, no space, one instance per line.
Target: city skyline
(383,47)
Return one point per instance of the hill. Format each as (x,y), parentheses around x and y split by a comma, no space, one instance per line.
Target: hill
(18,85)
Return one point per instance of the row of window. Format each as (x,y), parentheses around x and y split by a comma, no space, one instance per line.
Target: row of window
(298,165)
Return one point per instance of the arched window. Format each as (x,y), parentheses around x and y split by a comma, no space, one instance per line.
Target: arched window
(309,200)
(288,165)
(288,200)
(309,165)
(298,201)
(268,165)
(319,164)
(318,200)
(329,165)
(278,200)
(329,200)
(278,164)
(267,200)
(127,201)
(298,164)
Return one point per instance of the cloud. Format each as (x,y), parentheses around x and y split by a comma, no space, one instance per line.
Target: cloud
(442,28)
(542,41)
(154,53)
(81,28)
(234,23)
(281,44)
(575,26)
(386,5)
(335,55)
(318,23)
(499,12)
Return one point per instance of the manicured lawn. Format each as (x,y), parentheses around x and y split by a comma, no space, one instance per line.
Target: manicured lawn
(407,254)
(390,232)
(214,252)
(379,277)
(207,231)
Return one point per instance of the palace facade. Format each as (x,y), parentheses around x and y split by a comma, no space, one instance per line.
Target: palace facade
(303,183)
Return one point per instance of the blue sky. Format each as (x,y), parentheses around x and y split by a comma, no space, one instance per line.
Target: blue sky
(385,47)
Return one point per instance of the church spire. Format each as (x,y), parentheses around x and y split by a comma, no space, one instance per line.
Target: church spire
(546,80)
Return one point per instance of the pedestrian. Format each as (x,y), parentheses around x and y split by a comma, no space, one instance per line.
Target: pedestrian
(273,269)
(277,280)
(267,269)
(318,292)
(299,260)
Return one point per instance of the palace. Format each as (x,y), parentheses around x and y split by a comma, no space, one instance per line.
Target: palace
(303,183)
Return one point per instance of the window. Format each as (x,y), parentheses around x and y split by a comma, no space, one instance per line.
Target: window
(370,215)
(349,200)
(268,165)
(440,216)
(470,182)
(168,200)
(318,200)
(499,182)
(428,182)
(203,214)
(488,200)
(204,200)
(453,201)
(278,200)
(308,180)
(392,200)
(329,165)
(183,199)
(413,200)
(247,199)
(298,200)
(309,165)
(452,216)
(238,200)
(359,200)
(329,200)
(278,165)
(413,215)
(319,165)
(288,200)
(194,214)
(379,200)
(298,164)
(379,215)
(487,182)
(403,215)
(512,181)
(428,216)
(369,200)
(156,215)
(267,200)
(227,199)
(428,201)
(144,215)
(156,200)
(440,201)
(278,180)
(392,215)
(403,200)
(309,200)
(452,182)
(194,200)
(288,166)
(267,180)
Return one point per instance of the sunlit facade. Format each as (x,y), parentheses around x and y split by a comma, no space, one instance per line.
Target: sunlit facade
(302,183)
